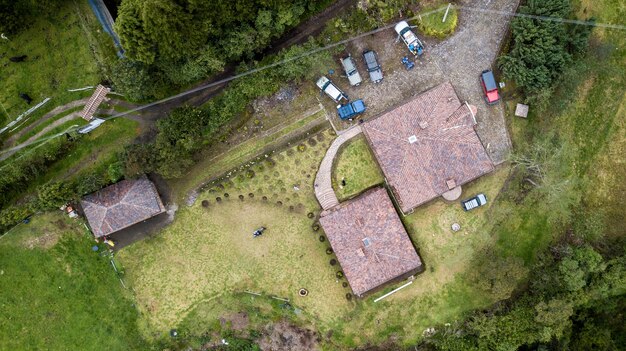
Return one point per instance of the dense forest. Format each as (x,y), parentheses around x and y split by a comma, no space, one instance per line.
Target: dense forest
(175,43)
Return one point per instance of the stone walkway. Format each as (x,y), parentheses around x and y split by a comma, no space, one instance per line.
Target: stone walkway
(323,180)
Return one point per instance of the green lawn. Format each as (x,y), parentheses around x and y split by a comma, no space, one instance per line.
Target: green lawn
(432,24)
(356,165)
(57,294)
(64,51)
(221,260)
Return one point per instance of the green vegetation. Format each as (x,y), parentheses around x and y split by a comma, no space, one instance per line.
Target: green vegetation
(187,130)
(58,294)
(171,44)
(562,195)
(433,26)
(64,52)
(62,160)
(356,165)
(541,50)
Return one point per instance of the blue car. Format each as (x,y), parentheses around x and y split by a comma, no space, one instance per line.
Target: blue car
(351,109)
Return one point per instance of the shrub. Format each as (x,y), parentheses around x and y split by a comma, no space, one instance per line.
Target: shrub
(241,197)
(339,274)
(329,251)
(250,195)
(310,215)
(322,238)
(315,227)
(433,26)
(301,147)
(205,203)
(250,174)
(218,199)
(333,262)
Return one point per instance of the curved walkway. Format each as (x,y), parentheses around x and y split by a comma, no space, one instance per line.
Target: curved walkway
(323,179)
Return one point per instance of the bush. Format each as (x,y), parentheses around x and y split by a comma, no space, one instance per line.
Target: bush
(205,203)
(433,26)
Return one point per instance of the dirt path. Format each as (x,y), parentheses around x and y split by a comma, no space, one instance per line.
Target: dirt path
(323,179)
(56,111)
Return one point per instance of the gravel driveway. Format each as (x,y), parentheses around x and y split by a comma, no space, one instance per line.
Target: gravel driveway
(459,59)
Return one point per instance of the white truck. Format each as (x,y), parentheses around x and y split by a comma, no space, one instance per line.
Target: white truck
(328,87)
(409,38)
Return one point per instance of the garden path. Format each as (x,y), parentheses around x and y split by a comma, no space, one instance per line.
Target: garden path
(323,180)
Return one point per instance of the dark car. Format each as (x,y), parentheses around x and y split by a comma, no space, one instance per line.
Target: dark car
(488,82)
(371,61)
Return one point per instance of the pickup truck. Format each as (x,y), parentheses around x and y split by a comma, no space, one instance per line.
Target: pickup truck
(331,90)
(350,110)
(350,68)
(409,38)
(373,67)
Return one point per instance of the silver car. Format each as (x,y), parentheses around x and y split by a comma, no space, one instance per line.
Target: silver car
(350,68)
(371,61)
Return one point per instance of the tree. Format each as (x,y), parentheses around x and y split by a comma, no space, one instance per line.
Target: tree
(540,49)
(53,194)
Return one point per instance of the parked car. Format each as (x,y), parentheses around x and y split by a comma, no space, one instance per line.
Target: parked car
(352,109)
(331,90)
(476,201)
(350,68)
(488,81)
(371,61)
(409,38)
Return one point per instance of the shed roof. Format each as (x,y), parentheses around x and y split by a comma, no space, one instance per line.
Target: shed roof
(121,205)
(426,144)
(370,241)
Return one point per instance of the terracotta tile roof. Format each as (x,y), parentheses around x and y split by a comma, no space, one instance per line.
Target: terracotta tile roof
(427,144)
(121,205)
(370,241)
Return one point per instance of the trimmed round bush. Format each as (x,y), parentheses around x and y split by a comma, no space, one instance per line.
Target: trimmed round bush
(339,274)
(310,215)
(301,147)
(264,198)
(315,227)
(344,284)
(279,203)
(333,262)
(329,251)
(250,195)
(205,203)
(226,195)
(241,197)
(250,174)
(322,238)
(218,199)
(348,296)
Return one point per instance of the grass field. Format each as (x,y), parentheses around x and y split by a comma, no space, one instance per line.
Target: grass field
(64,48)
(357,166)
(57,294)
(432,24)
(221,260)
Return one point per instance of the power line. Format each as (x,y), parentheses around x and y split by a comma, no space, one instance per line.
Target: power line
(330,46)
(543,18)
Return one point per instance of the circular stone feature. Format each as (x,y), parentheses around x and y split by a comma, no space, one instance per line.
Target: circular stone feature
(456,227)
(454,194)
(303,292)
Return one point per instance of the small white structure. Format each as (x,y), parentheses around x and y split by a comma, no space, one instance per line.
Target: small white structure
(95,123)
(456,227)
(521,110)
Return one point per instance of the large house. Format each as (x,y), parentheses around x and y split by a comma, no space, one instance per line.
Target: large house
(121,205)
(428,147)
(370,241)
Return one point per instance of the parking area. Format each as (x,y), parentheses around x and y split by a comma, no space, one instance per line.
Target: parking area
(459,59)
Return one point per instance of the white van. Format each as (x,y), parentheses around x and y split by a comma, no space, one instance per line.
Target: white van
(331,90)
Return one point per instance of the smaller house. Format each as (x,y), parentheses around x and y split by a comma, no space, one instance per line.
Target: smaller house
(121,205)
(370,242)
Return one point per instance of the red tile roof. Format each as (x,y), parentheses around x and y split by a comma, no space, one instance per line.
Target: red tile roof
(427,144)
(121,205)
(370,241)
